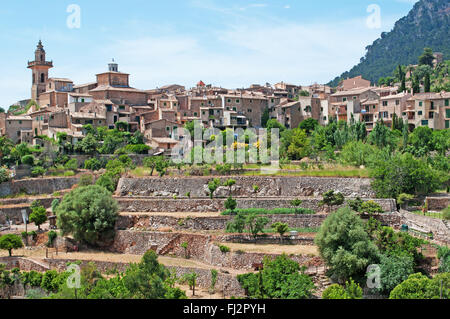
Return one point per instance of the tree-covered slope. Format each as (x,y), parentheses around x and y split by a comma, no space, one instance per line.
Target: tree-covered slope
(426,25)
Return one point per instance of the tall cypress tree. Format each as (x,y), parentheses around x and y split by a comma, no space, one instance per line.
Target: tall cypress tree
(427,83)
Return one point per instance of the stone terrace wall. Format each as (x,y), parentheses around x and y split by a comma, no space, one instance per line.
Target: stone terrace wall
(37,185)
(438,203)
(200,247)
(13,213)
(215,205)
(208,223)
(45,201)
(284,186)
(23,264)
(225,282)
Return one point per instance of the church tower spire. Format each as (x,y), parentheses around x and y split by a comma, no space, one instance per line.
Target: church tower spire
(39,68)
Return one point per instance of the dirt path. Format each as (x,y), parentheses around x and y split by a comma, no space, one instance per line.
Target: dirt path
(274,249)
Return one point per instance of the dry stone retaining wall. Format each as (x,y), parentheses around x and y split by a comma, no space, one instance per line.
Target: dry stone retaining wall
(227,282)
(37,185)
(147,205)
(208,223)
(200,247)
(438,203)
(284,186)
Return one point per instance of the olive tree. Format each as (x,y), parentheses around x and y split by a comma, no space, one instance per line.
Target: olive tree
(89,214)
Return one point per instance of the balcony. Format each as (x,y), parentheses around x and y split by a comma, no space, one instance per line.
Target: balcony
(38,63)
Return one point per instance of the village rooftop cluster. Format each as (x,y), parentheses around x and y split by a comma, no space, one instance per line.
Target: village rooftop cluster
(57,105)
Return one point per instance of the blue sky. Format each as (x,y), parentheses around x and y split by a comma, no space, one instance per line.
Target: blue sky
(232,43)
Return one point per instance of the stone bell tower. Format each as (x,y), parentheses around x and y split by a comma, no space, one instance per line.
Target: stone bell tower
(39,68)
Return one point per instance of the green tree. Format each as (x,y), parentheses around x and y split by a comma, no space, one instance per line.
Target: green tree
(356,153)
(213,186)
(418,286)
(331,199)
(191,280)
(148,280)
(9,242)
(345,245)
(281,278)
(229,183)
(265,117)
(107,182)
(237,225)
(299,146)
(427,83)
(395,268)
(38,216)
(87,145)
(214,274)
(255,224)
(427,57)
(404,174)
(89,213)
(72,164)
(281,229)
(309,125)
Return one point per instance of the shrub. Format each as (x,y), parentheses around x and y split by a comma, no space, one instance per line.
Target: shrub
(444,259)
(49,281)
(32,278)
(9,242)
(69,173)
(446,213)
(107,182)
(89,213)
(136,149)
(86,180)
(93,164)
(4,175)
(28,160)
(224,169)
(214,274)
(230,204)
(370,207)
(224,249)
(51,237)
(72,164)
(37,171)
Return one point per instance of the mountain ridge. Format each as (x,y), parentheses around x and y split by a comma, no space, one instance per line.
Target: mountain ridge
(426,25)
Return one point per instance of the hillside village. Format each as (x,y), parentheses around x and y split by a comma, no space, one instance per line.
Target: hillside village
(57,105)
(87,182)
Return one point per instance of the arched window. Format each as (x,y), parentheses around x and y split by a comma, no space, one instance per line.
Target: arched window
(42,77)
(42,57)
(34,79)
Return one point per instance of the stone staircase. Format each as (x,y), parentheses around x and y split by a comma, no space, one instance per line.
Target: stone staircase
(170,245)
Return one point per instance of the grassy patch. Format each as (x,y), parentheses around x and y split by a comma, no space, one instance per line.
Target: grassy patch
(140,171)
(276,211)
(438,215)
(305,230)
(356,172)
